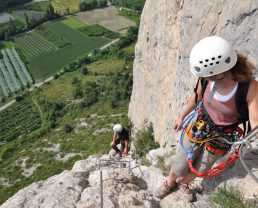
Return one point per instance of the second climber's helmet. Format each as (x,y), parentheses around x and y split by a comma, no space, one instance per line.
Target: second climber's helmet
(117,128)
(212,55)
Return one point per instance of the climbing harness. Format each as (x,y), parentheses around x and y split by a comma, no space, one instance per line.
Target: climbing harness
(216,140)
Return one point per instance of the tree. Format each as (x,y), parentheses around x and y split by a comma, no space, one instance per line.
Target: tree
(67,10)
(85,71)
(27,20)
(102,3)
(7,35)
(50,12)
(82,6)
(77,91)
(68,128)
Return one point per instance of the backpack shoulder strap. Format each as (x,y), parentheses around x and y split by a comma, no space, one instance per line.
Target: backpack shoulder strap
(204,84)
(241,104)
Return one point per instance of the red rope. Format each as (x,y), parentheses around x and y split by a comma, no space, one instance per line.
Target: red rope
(217,169)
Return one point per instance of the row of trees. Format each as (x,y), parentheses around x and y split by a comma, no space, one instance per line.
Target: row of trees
(13,27)
(4,4)
(92,4)
(133,4)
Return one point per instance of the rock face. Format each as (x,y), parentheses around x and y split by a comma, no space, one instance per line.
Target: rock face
(168,31)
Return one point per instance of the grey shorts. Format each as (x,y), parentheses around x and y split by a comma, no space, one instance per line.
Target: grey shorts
(202,159)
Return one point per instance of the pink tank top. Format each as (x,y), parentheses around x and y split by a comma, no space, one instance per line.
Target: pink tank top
(221,112)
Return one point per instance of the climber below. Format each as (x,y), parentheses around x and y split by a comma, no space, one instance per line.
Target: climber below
(121,136)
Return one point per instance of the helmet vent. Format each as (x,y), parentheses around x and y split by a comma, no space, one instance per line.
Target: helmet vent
(211,72)
(227,60)
(211,64)
(205,65)
(213,58)
(219,56)
(200,62)
(206,60)
(197,69)
(217,62)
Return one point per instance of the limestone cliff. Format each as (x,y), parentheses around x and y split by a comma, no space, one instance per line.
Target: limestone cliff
(168,31)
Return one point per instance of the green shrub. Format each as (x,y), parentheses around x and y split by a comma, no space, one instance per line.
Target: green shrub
(161,165)
(68,128)
(230,197)
(144,141)
(97,30)
(145,161)
(85,71)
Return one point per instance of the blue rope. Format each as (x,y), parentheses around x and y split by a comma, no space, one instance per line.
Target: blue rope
(185,123)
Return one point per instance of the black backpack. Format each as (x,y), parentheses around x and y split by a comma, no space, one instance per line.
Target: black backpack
(240,101)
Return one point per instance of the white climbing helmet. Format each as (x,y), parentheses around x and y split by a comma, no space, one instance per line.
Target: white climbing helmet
(117,128)
(212,55)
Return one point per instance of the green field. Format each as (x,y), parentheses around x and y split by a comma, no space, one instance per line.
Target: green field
(6,44)
(61,6)
(73,23)
(19,119)
(38,6)
(48,64)
(33,44)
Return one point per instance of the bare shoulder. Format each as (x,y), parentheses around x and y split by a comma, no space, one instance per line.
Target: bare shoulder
(253,90)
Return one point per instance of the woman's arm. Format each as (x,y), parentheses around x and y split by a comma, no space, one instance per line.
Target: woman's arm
(252,102)
(189,107)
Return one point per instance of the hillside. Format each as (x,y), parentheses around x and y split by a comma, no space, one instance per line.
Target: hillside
(60,164)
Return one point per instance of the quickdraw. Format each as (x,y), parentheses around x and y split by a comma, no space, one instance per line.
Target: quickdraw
(199,132)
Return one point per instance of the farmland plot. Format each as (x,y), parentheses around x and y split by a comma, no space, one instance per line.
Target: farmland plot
(22,65)
(49,63)
(19,119)
(39,6)
(17,67)
(5,17)
(33,44)
(52,37)
(4,85)
(106,17)
(13,73)
(1,95)
(62,5)
(9,67)
(10,82)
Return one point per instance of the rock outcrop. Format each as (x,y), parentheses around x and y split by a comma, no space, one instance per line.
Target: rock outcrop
(168,30)
(126,185)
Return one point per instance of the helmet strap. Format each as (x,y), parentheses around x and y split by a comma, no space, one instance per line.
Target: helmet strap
(212,93)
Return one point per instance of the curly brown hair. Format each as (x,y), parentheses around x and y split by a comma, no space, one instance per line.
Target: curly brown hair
(243,71)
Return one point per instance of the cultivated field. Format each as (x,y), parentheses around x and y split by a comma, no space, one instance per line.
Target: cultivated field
(19,119)
(33,45)
(49,63)
(106,17)
(13,73)
(62,5)
(73,23)
(5,17)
